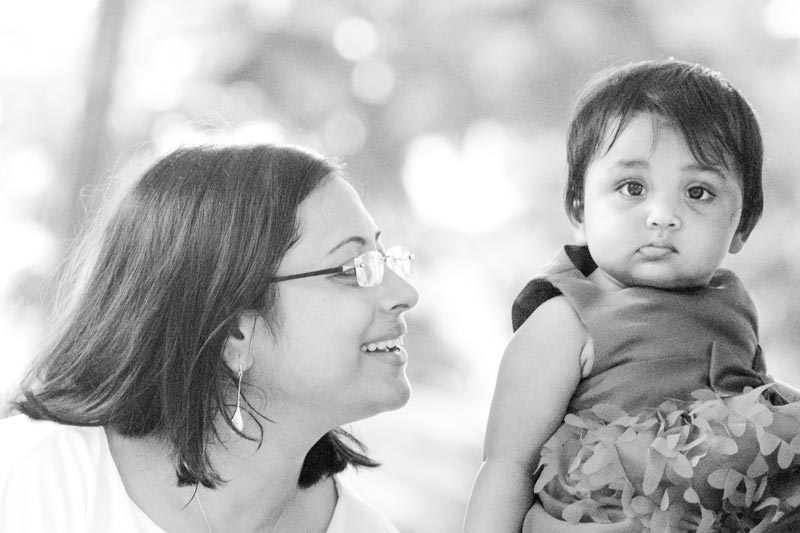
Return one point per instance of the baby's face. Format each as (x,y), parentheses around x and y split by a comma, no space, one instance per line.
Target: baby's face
(653,215)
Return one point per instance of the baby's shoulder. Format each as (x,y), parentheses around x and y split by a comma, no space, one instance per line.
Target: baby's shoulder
(536,292)
(555,312)
(553,324)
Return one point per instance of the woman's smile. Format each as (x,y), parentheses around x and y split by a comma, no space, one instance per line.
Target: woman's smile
(395,355)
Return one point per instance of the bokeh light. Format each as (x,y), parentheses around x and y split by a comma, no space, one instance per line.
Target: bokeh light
(355,39)
(344,132)
(462,188)
(782,18)
(268,16)
(373,81)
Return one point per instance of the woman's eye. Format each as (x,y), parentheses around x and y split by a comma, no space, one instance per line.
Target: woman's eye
(698,193)
(632,188)
(347,273)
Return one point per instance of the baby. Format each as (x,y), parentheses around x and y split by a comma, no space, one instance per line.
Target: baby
(664,181)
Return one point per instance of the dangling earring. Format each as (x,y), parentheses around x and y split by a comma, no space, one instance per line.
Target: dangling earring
(237,420)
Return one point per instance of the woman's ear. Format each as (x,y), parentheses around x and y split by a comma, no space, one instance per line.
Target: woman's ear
(737,243)
(237,348)
(579,232)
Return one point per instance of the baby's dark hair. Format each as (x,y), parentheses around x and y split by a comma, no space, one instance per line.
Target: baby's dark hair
(718,124)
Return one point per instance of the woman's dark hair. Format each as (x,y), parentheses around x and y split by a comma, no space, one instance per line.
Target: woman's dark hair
(718,124)
(192,245)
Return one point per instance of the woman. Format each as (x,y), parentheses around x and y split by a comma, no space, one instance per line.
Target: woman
(237,314)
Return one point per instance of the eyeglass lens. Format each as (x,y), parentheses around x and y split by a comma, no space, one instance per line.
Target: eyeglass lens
(370,265)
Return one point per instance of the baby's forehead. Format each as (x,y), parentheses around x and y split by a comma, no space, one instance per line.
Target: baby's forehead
(705,144)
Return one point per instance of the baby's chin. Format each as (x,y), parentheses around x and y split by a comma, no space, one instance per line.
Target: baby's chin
(677,286)
(671,282)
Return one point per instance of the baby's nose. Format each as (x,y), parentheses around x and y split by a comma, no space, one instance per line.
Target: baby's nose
(663,214)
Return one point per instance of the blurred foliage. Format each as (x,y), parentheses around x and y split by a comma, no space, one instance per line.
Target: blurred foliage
(451,116)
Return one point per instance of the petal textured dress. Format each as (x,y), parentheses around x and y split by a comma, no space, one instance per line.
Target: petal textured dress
(659,428)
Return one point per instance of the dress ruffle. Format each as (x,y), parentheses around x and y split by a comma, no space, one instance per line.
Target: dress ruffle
(716,463)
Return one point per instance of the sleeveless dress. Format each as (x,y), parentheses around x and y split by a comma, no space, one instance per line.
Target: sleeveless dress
(653,429)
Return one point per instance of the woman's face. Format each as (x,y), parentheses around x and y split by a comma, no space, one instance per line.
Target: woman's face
(319,363)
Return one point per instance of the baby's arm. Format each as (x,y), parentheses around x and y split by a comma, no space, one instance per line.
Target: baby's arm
(538,374)
(787,391)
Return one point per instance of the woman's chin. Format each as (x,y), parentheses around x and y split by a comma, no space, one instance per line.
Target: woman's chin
(399,395)
(402,396)
(392,398)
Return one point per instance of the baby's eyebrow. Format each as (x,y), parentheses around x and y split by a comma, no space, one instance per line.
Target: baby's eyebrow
(714,169)
(632,163)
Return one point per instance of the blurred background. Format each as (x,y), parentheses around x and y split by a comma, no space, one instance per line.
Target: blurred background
(451,116)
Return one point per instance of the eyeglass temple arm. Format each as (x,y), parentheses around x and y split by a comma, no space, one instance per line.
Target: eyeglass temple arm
(407,254)
(322,272)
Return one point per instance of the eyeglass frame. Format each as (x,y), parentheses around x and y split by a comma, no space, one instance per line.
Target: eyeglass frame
(384,255)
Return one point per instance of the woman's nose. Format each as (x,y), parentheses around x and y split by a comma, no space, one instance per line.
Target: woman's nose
(663,214)
(397,293)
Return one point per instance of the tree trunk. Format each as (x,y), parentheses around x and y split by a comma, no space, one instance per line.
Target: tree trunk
(90,152)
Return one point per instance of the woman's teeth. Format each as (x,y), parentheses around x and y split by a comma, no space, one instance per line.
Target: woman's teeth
(382,346)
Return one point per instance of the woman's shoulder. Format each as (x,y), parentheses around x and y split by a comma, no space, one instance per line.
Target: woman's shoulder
(48,474)
(27,442)
(354,515)
(36,453)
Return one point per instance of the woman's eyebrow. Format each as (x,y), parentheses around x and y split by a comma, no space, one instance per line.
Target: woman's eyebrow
(358,240)
(361,241)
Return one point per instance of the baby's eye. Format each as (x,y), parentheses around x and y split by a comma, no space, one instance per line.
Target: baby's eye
(632,188)
(698,192)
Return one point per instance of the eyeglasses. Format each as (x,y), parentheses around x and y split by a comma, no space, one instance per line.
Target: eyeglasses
(368,267)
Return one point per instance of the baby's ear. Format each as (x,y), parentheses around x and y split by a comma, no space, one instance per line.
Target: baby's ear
(737,243)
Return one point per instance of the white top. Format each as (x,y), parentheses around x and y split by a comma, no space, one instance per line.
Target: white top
(62,479)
